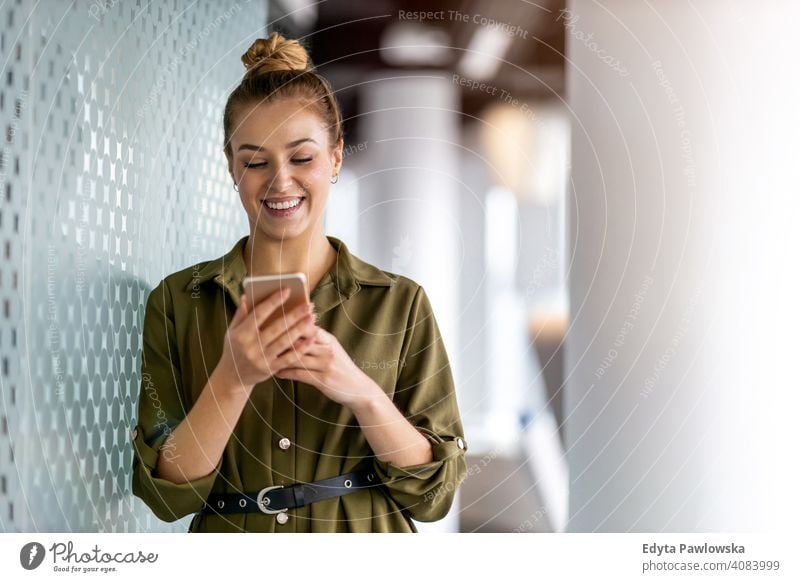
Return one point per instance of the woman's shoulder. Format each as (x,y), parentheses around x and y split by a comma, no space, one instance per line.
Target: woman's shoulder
(184,278)
(370,275)
(177,289)
(388,282)
(229,265)
(400,293)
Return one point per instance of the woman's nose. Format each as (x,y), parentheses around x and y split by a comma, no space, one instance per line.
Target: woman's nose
(281,180)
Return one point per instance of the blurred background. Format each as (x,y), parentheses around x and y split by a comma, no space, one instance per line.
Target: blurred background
(598,196)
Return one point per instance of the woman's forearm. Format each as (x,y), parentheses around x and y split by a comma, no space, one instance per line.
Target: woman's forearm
(195,446)
(391,437)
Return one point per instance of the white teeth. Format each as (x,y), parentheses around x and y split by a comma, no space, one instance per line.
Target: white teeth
(283,205)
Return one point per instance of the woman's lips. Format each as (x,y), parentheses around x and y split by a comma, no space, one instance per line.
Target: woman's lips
(283,212)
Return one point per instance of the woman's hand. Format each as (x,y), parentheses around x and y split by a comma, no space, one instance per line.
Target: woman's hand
(328,367)
(254,351)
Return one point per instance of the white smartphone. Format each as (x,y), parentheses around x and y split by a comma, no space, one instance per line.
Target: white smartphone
(260,287)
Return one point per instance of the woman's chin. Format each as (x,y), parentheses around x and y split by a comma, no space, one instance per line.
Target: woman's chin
(281,231)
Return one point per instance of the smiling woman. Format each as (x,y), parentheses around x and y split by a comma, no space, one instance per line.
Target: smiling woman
(283,187)
(286,432)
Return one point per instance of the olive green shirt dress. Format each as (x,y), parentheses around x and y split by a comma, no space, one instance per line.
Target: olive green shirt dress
(384,322)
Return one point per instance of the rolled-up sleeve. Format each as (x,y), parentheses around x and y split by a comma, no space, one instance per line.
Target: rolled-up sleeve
(425,394)
(161,408)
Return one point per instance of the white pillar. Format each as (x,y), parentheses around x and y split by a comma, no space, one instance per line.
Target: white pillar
(472,328)
(681,391)
(409,193)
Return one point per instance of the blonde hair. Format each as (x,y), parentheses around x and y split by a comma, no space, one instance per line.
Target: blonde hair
(279,68)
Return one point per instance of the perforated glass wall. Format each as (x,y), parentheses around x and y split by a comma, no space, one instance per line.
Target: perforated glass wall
(112,175)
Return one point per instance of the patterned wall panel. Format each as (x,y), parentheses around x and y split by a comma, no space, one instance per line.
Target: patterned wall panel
(112,175)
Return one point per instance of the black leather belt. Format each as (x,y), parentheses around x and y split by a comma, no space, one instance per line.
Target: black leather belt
(279,498)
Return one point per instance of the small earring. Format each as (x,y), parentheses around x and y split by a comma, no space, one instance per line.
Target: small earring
(335,179)
(236,187)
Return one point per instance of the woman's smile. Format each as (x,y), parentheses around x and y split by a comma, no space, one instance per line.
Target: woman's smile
(283,208)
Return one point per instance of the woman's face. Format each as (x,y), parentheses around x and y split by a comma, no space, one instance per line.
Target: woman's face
(282,156)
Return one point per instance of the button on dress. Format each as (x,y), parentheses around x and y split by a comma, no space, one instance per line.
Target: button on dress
(289,431)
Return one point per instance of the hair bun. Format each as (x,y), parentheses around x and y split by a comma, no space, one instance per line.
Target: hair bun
(275,53)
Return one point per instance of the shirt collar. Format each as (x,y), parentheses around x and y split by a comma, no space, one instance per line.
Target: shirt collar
(347,275)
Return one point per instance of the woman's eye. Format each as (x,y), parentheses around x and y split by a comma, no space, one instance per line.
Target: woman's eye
(295,160)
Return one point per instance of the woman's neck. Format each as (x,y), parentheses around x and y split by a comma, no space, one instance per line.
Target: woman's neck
(313,255)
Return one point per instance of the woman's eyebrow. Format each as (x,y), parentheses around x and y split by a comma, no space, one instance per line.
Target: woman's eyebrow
(249,146)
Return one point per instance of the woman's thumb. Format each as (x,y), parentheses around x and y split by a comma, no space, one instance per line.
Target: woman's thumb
(241,311)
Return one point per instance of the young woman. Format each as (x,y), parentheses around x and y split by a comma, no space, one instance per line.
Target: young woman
(337,417)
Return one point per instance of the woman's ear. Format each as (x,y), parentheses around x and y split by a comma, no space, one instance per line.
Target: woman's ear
(230,166)
(337,156)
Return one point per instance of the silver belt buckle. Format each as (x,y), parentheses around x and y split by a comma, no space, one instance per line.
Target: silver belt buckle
(263,501)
